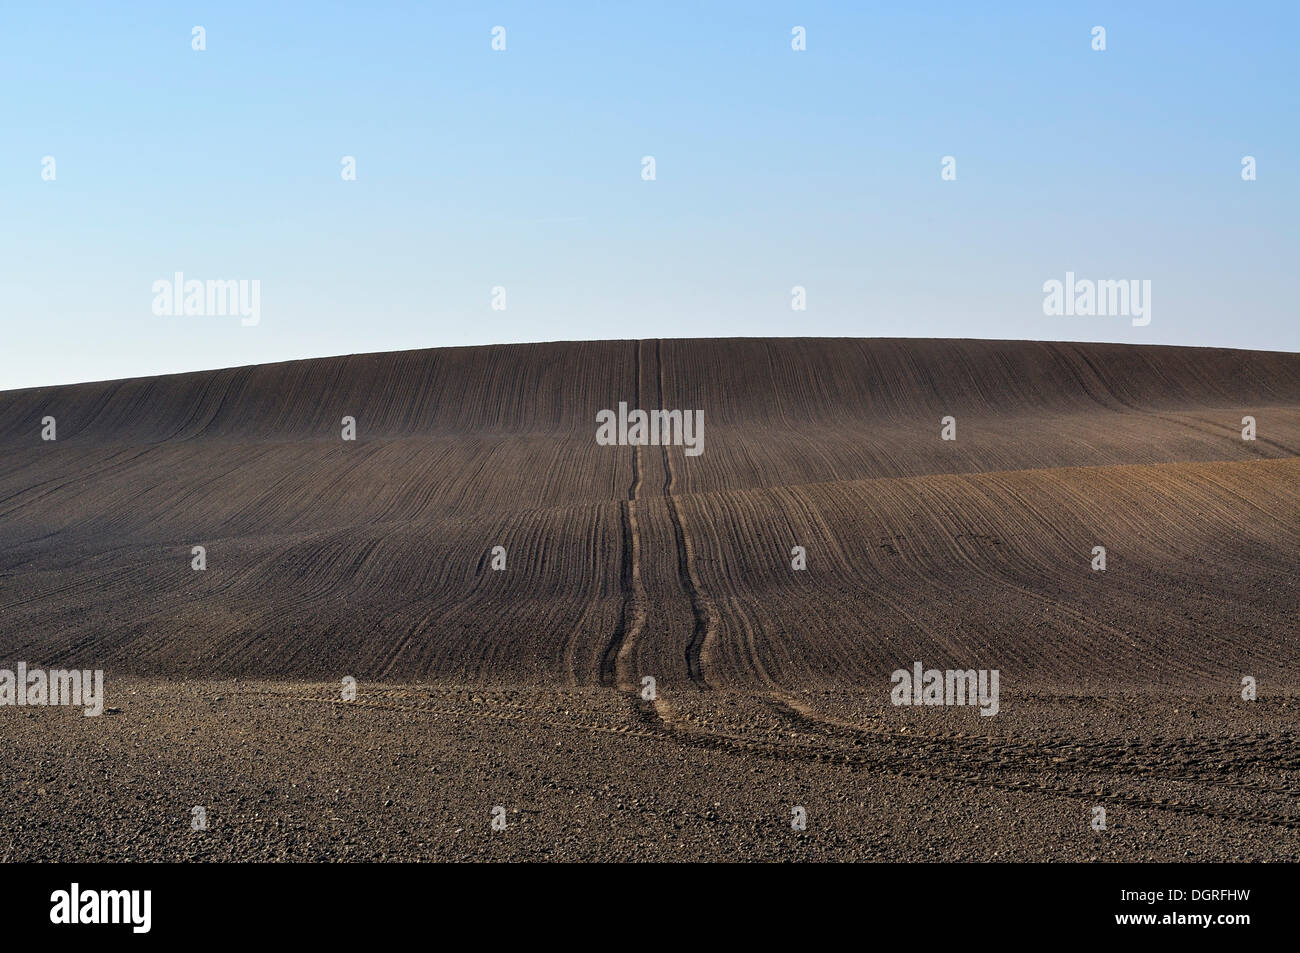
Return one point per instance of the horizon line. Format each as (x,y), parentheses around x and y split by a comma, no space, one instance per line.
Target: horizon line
(729,337)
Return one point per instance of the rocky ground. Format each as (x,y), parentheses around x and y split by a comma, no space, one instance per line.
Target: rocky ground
(290,771)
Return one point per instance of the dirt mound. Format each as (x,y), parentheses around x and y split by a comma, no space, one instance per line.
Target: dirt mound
(374,557)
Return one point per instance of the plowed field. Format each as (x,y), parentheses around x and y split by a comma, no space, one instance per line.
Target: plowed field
(373,559)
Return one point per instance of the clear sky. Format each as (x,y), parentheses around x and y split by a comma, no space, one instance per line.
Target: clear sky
(522,168)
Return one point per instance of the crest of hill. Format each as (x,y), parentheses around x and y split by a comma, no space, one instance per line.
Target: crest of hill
(558,387)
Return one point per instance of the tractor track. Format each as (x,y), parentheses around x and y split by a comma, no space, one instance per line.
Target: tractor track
(990,765)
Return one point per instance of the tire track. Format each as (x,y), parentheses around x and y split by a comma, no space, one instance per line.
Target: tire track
(615,659)
(1010,758)
(650,723)
(701,627)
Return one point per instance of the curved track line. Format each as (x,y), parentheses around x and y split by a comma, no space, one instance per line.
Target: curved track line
(652,724)
(702,625)
(616,659)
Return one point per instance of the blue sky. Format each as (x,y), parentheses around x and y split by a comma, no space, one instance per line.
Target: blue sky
(522,169)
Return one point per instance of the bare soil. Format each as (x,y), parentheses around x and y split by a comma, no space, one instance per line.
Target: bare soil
(521,689)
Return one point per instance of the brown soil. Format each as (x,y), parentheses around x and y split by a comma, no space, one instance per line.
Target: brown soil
(520,688)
